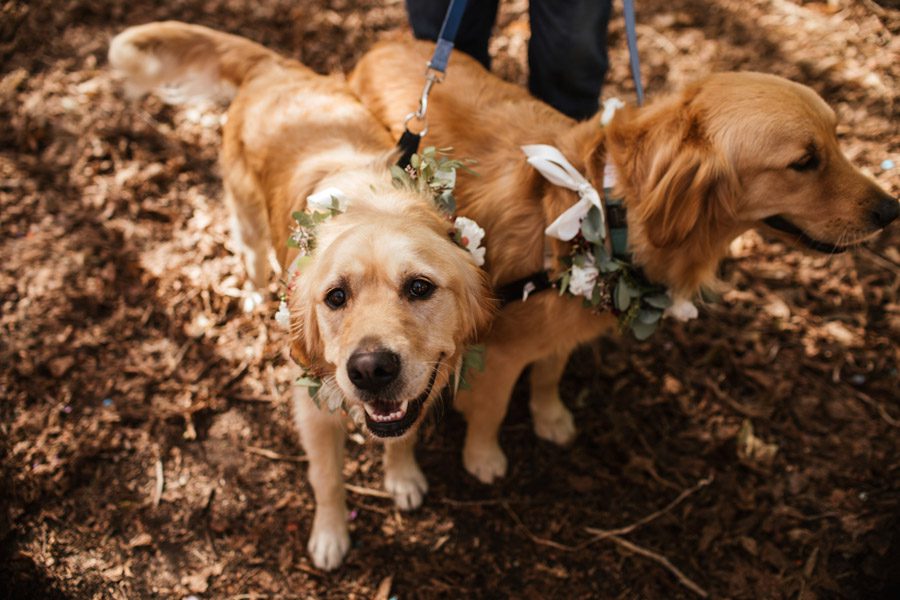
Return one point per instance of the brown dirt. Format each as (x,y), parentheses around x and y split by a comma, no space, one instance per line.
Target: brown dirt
(124,351)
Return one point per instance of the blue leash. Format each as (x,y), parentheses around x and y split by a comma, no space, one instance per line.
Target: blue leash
(633,58)
(449,29)
(437,67)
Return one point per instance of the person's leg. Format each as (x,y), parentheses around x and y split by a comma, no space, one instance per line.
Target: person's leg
(567,57)
(427,16)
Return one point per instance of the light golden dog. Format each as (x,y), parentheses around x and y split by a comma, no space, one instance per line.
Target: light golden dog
(696,169)
(383,310)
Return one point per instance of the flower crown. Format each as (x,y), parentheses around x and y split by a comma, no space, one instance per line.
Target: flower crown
(433,173)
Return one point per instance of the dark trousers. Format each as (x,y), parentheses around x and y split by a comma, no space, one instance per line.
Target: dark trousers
(567,57)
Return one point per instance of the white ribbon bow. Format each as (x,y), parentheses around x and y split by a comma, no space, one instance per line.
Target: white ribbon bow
(551,163)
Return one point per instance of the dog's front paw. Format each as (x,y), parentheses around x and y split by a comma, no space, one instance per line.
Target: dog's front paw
(407,485)
(329,541)
(555,426)
(487,463)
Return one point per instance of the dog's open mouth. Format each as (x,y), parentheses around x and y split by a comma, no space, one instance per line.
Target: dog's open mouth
(781,224)
(389,419)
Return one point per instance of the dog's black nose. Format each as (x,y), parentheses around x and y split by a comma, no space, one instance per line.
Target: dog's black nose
(373,371)
(885,212)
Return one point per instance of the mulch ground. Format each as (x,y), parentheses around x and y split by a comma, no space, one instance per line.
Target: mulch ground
(146,447)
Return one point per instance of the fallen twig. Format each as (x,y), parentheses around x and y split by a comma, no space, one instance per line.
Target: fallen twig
(613,535)
(682,578)
(882,411)
(160,483)
(600,534)
(274,455)
(535,538)
(364,491)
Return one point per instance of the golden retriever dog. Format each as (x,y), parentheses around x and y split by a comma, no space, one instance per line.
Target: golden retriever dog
(383,307)
(696,169)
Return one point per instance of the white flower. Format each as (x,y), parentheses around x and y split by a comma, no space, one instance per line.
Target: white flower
(469,235)
(444,179)
(283,316)
(582,279)
(323,200)
(682,310)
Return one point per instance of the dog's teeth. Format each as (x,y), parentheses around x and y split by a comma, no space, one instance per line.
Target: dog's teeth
(394,416)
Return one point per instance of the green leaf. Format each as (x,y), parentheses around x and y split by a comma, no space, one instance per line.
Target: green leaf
(302,262)
(642,330)
(649,316)
(400,177)
(473,359)
(564,282)
(312,385)
(595,295)
(591,226)
(622,295)
(658,300)
(415,161)
(308,381)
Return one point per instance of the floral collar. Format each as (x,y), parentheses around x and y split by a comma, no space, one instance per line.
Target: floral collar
(598,267)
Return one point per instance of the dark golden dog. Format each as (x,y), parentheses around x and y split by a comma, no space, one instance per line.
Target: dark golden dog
(696,169)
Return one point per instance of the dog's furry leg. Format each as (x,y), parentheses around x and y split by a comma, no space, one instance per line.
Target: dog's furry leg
(402,476)
(482,455)
(322,436)
(552,420)
(250,235)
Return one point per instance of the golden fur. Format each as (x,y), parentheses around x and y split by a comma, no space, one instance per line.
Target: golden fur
(290,133)
(696,169)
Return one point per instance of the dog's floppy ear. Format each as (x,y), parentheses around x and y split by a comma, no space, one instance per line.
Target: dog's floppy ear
(476,303)
(681,183)
(306,343)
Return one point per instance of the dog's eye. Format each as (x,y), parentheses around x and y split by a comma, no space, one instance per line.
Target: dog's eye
(419,289)
(809,162)
(336,298)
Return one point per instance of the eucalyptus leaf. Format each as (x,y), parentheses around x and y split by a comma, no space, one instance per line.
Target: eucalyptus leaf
(564,282)
(658,300)
(642,330)
(302,262)
(592,226)
(595,295)
(649,316)
(622,296)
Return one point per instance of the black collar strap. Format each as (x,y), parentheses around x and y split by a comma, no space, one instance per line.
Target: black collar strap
(520,289)
(407,146)
(617,221)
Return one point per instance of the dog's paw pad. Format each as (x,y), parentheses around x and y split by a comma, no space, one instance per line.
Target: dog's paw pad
(407,486)
(328,545)
(486,464)
(558,428)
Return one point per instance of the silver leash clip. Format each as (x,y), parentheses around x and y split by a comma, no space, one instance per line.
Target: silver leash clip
(432,76)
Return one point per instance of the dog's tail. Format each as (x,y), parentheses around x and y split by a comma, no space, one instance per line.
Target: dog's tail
(182,62)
